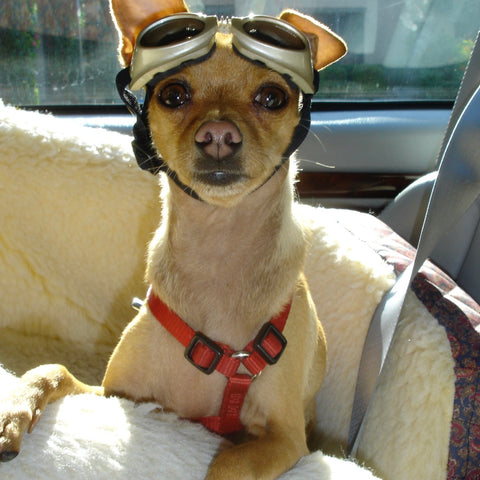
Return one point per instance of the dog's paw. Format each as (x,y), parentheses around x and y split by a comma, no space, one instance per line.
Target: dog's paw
(233,465)
(19,412)
(263,458)
(14,421)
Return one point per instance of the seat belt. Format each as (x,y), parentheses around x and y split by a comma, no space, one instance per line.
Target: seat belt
(456,188)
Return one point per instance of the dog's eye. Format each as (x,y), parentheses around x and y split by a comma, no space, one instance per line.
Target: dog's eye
(271,98)
(174,95)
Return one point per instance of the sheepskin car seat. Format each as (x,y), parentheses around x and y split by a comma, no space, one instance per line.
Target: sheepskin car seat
(77,216)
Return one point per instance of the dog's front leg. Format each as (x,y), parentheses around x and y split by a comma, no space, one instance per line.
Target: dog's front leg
(264,458)
(22,407)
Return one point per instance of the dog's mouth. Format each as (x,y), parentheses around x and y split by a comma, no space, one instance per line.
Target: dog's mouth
(217,171)
(220,178)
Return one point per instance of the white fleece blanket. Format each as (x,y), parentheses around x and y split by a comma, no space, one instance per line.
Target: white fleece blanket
(85,437)
(75,219)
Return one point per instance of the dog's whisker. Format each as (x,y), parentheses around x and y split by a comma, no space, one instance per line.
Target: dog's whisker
(147,160)
(318,140)
(316,137)
(304,160)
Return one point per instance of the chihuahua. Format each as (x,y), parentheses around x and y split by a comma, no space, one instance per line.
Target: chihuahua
(228,334)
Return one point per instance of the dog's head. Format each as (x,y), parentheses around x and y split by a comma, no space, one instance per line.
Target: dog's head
(222,115)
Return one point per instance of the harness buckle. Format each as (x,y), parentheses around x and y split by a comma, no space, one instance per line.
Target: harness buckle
(269,331)
(137,304)
(201,339)
(241,355)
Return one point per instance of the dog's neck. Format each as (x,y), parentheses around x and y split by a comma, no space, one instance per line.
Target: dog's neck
(224,267)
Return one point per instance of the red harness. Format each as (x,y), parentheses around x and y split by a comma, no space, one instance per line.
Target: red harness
(207,356)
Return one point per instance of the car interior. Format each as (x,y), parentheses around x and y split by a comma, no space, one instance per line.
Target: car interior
(394,134)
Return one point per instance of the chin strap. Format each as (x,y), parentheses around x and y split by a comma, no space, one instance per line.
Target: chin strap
(146,154)
(303,127)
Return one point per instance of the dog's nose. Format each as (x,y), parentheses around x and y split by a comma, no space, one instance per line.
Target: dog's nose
(218,139)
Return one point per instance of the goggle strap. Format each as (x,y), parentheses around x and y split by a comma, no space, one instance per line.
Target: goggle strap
(122,82)
(146,156)
(145,153)
(303,127)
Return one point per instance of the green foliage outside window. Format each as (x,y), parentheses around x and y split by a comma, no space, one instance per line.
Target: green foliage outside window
(56,52)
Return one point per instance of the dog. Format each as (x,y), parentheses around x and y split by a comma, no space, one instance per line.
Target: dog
(228,334)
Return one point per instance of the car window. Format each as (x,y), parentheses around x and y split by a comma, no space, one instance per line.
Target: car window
(65,53)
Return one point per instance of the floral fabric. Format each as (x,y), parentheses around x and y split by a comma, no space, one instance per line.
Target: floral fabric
(459,314)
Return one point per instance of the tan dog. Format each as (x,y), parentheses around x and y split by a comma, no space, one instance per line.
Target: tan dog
(225,264)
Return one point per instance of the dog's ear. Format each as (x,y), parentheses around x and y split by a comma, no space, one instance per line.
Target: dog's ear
(327,47)
(131,16)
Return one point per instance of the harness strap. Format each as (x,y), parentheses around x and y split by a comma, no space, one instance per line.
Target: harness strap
(228,421)
(208,356)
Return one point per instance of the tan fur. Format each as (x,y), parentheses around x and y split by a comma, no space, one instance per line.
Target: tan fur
(327,47)
(226,265)
(131,17)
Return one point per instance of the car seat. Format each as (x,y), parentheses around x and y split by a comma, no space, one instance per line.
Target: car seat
(458,251)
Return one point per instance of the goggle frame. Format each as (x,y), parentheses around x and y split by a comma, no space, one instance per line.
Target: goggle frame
(174,40)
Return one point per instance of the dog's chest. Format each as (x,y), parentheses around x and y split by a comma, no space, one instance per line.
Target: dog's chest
(191,393)
(155,368)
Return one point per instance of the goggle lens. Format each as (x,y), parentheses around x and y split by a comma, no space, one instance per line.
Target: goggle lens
(172,32)
(273,34)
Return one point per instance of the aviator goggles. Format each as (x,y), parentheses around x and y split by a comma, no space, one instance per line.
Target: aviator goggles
(171,41)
